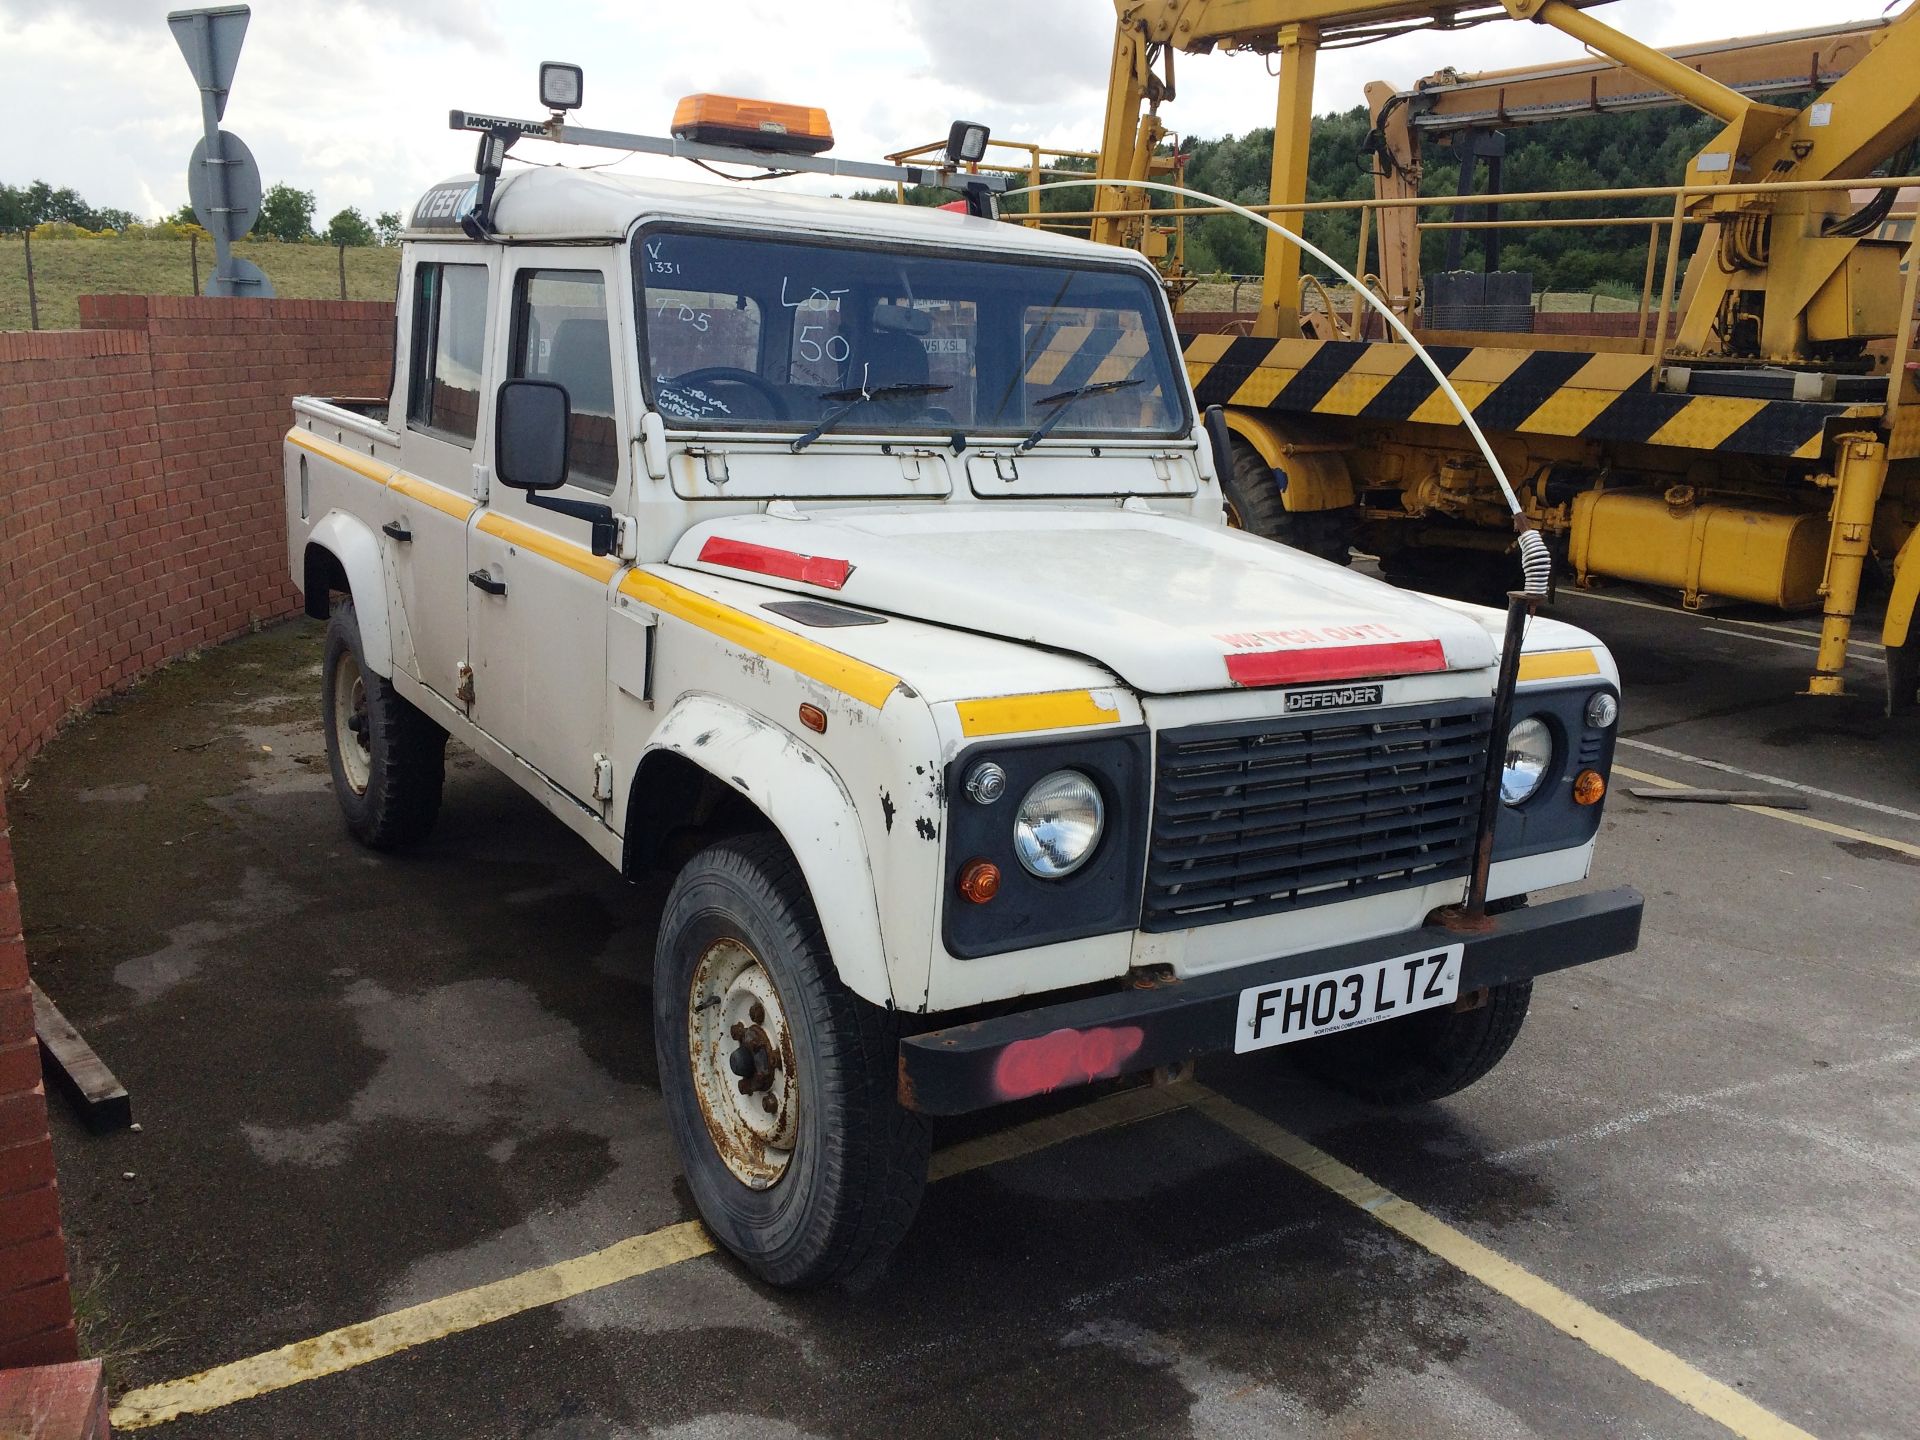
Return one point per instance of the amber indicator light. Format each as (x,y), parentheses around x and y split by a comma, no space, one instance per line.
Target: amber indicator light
(1590,788)
(760,124)
(814,718)
(980,881)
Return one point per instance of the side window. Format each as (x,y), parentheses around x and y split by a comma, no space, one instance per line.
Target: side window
(449,347)
(560,334)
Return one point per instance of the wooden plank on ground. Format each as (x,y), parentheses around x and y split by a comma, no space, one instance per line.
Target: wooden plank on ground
(102,1100)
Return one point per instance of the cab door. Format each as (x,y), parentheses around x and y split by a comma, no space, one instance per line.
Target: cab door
(428,505)
(538,599)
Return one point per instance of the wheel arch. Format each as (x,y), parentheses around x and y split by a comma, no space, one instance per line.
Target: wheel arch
(343,555)
(730,770)
(1312,477)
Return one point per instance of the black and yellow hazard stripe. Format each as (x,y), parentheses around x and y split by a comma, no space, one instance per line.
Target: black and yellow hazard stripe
(1569,393)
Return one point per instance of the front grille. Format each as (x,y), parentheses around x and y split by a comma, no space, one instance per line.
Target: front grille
(1265,816)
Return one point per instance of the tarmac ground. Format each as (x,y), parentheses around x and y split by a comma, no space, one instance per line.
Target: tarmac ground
(403,1170)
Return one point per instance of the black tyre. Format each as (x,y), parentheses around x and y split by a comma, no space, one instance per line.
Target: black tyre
(779,1082)
(1255,504)
(1421,1057)
(387,759)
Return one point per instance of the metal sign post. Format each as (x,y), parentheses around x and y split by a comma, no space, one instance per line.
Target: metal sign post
(223,182)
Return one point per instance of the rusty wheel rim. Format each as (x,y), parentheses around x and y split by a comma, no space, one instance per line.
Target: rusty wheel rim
(1233,514)
(350,727)
(740,1047)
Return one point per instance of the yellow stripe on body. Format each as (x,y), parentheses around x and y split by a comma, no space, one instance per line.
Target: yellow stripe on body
(1352,393)
(1258,390)
(434,497)
(1487,366)
(856,678)
(355,1345)
(1559,665)
(376,470)
(1706,422)
(1612,372)
(1437,409)
(1634,1352)
(550,547)
(1569,411)
(1205,349)
(1015,714)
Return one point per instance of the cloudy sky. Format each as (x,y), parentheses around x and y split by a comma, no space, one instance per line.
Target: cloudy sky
(348,98)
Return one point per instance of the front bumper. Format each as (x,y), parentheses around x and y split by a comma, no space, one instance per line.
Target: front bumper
(968,1067)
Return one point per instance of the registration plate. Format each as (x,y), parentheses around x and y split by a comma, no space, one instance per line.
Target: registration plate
(1290,1010)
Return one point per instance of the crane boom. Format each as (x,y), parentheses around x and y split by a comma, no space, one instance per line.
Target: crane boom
(1755,65)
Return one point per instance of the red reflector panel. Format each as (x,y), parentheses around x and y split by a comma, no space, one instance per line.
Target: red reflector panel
(828,574)
(1063,1058)
(1339,662)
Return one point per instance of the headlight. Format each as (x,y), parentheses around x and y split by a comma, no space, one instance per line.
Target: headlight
(1058,825)
(1529,757)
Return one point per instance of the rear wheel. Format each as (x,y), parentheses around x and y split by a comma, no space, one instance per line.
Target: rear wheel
(388,761)
(1254,503)
(779,1081)
(1421,1057)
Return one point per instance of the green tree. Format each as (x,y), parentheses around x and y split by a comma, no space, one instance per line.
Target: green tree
(24,206)
(349,227)
(285,214)
(387,227)
(184,216)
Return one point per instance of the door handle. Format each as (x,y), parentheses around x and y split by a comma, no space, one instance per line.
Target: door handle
(394,530)
(481,580)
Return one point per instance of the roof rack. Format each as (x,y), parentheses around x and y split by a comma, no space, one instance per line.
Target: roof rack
(499,132)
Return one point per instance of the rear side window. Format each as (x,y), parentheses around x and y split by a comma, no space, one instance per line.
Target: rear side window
(560,334)
(449,346)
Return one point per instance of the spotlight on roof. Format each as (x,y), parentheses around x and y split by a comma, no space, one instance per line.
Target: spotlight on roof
(966,142)
(561,85)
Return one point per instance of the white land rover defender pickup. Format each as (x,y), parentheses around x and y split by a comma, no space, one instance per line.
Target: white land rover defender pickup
(874,557)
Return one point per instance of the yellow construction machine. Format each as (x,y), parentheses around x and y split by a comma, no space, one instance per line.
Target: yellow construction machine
(1758,439)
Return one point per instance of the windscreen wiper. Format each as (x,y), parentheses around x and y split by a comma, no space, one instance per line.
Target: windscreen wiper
(854,400)
(1064,402)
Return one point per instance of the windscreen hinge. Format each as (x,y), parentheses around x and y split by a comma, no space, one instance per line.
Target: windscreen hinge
(713,462)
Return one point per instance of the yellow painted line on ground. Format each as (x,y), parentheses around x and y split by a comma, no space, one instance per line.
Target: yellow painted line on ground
(1559,665)
(849,676)
(550,547)
(1129,1107)
(1055,710)
(1792,817)
(1660,1368)
(354,1345)
(384,1335)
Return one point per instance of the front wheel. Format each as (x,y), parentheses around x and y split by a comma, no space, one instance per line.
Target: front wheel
(1423,1057)
(779,1082)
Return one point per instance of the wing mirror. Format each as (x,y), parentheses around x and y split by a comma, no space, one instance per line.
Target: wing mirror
(532,433)
(532,427)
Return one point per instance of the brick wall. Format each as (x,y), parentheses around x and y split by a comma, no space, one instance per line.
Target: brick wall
(36,1313)
(140,502)
(140,517)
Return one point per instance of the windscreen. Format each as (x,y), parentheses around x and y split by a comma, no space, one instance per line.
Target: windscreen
(778,335)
